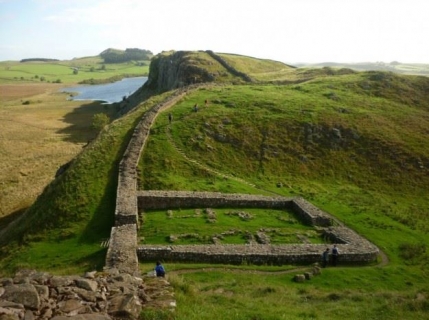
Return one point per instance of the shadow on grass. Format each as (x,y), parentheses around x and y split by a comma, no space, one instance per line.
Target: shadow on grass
(80,120)
(100,225)
(4,221)
(103,220)
(94,261)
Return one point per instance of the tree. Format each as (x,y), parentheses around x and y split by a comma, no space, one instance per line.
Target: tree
(100,120)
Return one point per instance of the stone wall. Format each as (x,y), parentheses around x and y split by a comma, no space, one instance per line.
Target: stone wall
(310,213)
(304,210)
(228,67)
(153,199)
(353,248)
(259,254)
(121,253)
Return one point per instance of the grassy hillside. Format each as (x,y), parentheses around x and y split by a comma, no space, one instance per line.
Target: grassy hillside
(352,143)
(259,69)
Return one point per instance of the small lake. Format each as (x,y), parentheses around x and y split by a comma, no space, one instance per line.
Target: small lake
(109,92)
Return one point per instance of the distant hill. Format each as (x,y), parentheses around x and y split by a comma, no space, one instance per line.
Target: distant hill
(131,54)
(38,59)
(394,66)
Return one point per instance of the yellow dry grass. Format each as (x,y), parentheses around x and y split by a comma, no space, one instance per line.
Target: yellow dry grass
(36,139)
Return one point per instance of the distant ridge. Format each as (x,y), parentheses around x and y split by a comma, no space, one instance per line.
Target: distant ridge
(38,59)
(394,66)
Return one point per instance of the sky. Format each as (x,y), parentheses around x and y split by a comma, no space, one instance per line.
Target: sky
(290,31)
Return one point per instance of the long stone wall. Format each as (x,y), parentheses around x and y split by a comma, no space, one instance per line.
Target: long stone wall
(154,199)
(228,67)
(259,254)
(121,253)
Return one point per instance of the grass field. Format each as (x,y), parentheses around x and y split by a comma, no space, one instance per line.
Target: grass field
(64,71)
(37,138)
(230,226)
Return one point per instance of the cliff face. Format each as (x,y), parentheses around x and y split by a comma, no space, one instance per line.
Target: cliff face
(175,70)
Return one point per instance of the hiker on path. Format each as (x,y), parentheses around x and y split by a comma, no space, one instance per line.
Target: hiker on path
(159,269)
(335,254)
(325,258)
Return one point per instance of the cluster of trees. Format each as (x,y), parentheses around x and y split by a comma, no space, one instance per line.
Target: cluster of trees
(130,54)
(38,59)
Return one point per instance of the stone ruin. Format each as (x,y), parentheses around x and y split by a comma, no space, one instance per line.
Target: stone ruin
(107,295)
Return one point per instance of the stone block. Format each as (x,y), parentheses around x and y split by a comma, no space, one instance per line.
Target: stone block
(299,278)
(25,294)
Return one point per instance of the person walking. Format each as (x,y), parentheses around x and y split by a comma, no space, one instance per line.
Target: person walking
(335,254)
(325,258)
(170,118)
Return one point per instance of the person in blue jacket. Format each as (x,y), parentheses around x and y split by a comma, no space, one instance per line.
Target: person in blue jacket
(159,269)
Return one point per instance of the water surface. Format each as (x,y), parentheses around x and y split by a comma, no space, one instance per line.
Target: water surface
(109,92)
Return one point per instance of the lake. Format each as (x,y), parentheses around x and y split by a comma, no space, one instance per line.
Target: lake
(109,92)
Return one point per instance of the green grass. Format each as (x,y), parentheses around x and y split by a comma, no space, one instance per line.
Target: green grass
(239,132)
(194,226)
(260,69)
(89,68)
(353,293)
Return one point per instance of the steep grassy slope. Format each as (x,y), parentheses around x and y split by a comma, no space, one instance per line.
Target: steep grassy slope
(350,143)
(260,69)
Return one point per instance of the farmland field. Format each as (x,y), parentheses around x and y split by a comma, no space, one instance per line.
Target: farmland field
(40,131)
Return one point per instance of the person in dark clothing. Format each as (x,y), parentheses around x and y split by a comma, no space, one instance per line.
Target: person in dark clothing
(325,258)
(335,254)
(170,118)
(159,269)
